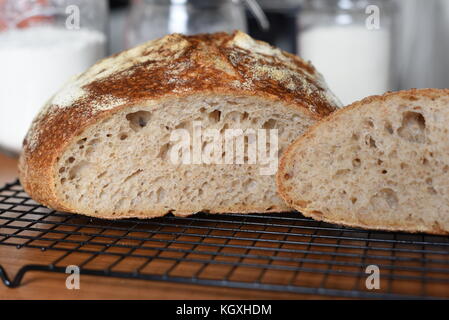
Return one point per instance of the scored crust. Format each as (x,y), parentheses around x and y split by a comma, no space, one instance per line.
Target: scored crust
(305,140)
(175,65)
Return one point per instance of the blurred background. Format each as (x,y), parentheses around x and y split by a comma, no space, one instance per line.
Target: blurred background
(362,47)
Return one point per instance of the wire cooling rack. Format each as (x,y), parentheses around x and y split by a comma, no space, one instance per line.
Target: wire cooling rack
(276,252)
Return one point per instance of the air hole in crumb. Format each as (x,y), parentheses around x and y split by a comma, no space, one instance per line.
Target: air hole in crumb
(369,123)
(270,124)
(61,170)
(79,169)
(356,163)
(370,142)
(354,200)
(234,116)
(182,125)
(93,142)
(160,194)
(385,199)
(215,116)
(384,171)
(342,172)
(133,175)
(163,151)
(250,186)
(120,204)
(138,120)
(101,175)
(224,128)
(123,136)
(71,160)
(389,128)
(287,176)
(413,127)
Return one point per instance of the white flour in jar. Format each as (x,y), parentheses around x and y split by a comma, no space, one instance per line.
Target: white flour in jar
(34,64)
(354,61)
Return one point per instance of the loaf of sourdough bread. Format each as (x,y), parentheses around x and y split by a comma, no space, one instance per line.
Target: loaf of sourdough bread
(382,163)
(103,145)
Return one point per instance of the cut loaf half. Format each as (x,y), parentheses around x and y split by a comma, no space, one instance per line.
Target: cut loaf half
(102,147)
(382,163)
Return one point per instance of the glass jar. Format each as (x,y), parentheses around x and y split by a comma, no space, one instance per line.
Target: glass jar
(43,43)
(152,19)
(422,55)
(351,43)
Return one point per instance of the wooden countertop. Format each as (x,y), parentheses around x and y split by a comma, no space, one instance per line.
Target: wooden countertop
(52,286)
(8,169)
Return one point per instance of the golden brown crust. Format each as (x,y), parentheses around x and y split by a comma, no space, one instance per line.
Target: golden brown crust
(175,65)
(315,129)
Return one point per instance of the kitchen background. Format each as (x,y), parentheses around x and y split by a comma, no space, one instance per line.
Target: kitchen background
(362,47)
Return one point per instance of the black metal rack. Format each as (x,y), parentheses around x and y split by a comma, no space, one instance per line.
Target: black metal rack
(276,252)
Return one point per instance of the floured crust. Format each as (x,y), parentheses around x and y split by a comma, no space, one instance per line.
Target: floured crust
(288,159)
(175,65)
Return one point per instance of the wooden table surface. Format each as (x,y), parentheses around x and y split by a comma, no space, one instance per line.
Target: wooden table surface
(8,169)
(52,286)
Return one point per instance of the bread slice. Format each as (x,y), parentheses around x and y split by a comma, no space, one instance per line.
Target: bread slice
(381,163)
(102,146)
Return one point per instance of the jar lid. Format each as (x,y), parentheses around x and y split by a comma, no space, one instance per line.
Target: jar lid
(252,5)
(346,5)
(202,3)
